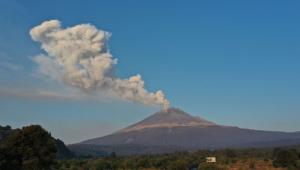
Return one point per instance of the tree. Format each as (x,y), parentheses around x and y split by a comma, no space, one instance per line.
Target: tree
(285,158)
(113,155)
(4,131)
(62,151)
(179,164)
(230,153)
(31,148)
(210,166)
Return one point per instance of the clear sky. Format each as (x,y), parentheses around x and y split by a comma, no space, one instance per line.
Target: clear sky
(231,62)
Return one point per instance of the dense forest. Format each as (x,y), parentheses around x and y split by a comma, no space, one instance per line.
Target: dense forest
(33,148)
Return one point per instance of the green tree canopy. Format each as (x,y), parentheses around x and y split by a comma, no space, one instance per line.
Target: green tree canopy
(29,148)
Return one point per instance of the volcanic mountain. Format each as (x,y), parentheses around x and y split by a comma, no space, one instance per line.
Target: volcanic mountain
(169,118)
(175,130)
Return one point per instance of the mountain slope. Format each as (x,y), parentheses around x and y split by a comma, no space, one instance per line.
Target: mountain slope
(170,118)
(173,130)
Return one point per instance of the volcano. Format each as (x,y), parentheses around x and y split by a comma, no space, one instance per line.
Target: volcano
(169,118)
(175,130)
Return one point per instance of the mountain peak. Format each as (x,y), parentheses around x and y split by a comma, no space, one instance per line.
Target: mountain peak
(169,118)
(172,110)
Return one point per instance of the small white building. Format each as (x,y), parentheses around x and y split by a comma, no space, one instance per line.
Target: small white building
(211,159)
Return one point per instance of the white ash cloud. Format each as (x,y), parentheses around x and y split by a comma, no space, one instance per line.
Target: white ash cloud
(79,57)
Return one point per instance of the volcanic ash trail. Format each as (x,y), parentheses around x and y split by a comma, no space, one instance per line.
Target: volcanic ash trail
(79,57)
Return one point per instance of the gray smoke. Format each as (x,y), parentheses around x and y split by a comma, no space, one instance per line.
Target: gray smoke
(79,57)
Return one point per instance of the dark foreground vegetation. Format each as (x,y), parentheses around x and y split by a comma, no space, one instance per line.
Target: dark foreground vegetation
(33,148)
(239,159)
(30,148)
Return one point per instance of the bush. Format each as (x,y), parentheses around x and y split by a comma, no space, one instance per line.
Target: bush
(285,158)
(178,165)
(210,166)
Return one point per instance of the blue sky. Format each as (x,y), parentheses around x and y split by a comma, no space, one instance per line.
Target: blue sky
(234,62)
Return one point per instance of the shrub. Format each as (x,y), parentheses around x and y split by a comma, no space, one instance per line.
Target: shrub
(210,166)
(285,158)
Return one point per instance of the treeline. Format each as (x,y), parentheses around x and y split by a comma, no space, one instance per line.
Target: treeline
(30,148)
(4,131)
(33,148)
(286,158)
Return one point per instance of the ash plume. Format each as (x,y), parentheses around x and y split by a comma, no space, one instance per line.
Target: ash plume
(79,57)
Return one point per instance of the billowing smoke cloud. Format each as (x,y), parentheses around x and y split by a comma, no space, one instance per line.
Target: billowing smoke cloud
(79,57)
